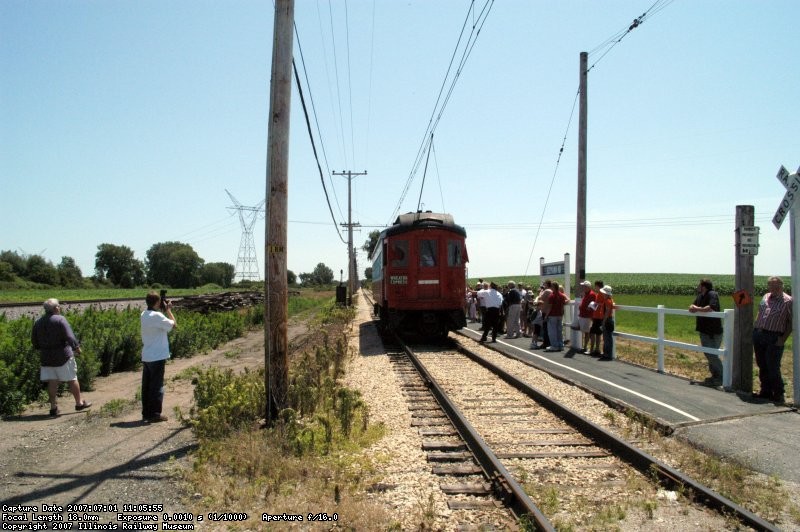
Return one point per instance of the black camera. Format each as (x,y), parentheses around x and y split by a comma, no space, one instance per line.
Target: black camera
(163,295)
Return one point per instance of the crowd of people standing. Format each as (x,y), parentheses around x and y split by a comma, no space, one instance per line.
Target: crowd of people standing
(524,311)
(538,314)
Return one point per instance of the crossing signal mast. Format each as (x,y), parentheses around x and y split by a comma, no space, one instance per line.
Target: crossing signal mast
(247,261)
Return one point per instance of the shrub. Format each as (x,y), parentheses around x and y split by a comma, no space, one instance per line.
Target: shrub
(225,403)
(12,400)
(20,362)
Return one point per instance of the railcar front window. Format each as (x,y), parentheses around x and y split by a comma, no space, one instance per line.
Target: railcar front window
(427,253)
(453,253)
(399,254)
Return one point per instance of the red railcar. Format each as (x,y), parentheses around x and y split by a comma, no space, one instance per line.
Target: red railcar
(419,274)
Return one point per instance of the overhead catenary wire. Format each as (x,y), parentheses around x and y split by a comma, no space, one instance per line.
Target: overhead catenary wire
(606,45)
(615,39)
(552,180)
(425,173)
(443,98)
(438,176)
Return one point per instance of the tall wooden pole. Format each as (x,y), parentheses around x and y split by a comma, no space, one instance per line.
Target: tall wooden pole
(580,240)
(350,251)
(276,281)
(742,363)
(352,282)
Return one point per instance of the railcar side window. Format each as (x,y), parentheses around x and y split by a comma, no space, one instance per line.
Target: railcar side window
(427,253)
(399,254)
(453,253)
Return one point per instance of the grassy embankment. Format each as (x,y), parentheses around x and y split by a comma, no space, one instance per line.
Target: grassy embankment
(310,460)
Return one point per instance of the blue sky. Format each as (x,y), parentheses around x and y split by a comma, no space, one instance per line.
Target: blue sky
(124,122)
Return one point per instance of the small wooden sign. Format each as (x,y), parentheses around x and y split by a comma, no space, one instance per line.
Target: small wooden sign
(741,298)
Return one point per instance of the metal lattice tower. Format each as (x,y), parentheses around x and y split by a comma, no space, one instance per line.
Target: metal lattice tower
(247,261)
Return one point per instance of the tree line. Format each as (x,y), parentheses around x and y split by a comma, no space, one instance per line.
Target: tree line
(172,264)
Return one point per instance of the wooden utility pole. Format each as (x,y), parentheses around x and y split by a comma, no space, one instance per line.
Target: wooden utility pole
(742,363)
(352,282)
(580,240)
(276,283)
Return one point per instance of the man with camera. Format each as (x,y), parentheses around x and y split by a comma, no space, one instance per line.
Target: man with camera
(156,322)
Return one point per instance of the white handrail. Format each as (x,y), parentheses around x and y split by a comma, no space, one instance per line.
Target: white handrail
(725,353)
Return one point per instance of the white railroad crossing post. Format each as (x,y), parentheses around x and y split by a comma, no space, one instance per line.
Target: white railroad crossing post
(790,206)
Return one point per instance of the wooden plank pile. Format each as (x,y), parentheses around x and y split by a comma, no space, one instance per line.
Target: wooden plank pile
(219,302)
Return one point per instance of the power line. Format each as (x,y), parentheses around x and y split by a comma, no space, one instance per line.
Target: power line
(615,39)
(369,92)
(679,221)
(552,180)
(608,44)
(314,109)
(349,80)
(338,87)
(314,148)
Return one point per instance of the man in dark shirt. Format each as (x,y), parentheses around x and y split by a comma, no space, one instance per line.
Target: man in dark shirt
(57,345)
(710,329)
(513,300)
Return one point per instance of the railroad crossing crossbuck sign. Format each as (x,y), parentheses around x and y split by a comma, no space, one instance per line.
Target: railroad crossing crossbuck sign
(792,184)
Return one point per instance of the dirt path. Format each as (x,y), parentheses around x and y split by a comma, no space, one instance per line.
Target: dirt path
(93,458)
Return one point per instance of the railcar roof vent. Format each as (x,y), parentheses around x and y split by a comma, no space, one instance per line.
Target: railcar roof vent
(420,217)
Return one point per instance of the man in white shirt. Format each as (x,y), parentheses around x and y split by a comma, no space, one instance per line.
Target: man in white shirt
(155,352)
(494,300)
(483,289)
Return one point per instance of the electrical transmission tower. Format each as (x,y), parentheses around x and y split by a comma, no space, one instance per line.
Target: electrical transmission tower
(246,262)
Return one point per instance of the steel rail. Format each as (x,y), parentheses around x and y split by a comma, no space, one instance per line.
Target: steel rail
(645,463)
(505,487)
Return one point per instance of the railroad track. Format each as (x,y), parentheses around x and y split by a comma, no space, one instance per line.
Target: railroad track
(510,444)
(553,448)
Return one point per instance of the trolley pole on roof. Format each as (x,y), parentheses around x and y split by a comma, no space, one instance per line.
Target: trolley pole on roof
(580,240)
(276,283)
(352,281)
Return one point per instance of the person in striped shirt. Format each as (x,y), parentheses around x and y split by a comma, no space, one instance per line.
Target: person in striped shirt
(773,326)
